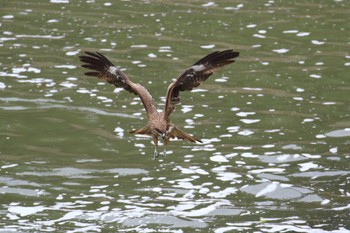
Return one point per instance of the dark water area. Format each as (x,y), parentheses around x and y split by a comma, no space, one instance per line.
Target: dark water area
(275,125)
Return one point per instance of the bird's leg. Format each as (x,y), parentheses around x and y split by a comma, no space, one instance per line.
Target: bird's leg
(164,152)
(165,141)
(155,153)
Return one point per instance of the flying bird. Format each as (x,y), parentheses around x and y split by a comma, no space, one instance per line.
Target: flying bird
(159,125)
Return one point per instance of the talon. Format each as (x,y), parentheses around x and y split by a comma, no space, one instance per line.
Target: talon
(164,154)
(155,155)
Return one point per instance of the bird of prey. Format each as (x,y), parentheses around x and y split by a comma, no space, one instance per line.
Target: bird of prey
(159,125)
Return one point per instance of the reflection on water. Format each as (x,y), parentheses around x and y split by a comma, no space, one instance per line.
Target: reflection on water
(274,126)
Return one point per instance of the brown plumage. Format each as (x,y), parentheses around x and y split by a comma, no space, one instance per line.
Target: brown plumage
(159,124)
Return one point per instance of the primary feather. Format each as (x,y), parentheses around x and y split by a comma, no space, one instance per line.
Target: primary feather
(196,75)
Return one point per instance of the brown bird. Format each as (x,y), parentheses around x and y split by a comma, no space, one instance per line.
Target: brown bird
(159,125)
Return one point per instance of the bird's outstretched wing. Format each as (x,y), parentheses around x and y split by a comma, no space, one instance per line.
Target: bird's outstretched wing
(178,133)
(102,68)
(196,75)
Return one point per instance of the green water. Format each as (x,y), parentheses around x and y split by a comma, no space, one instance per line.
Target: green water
(275,124)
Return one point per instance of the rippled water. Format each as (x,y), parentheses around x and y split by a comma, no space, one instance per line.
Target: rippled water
(275,125)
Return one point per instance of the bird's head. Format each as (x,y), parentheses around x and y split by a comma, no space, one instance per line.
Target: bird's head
(162,134)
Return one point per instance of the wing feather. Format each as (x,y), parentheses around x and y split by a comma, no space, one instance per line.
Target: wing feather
(178,133)
(196,75)
(104,69)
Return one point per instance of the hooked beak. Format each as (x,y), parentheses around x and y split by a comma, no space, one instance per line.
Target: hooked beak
(164,137)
